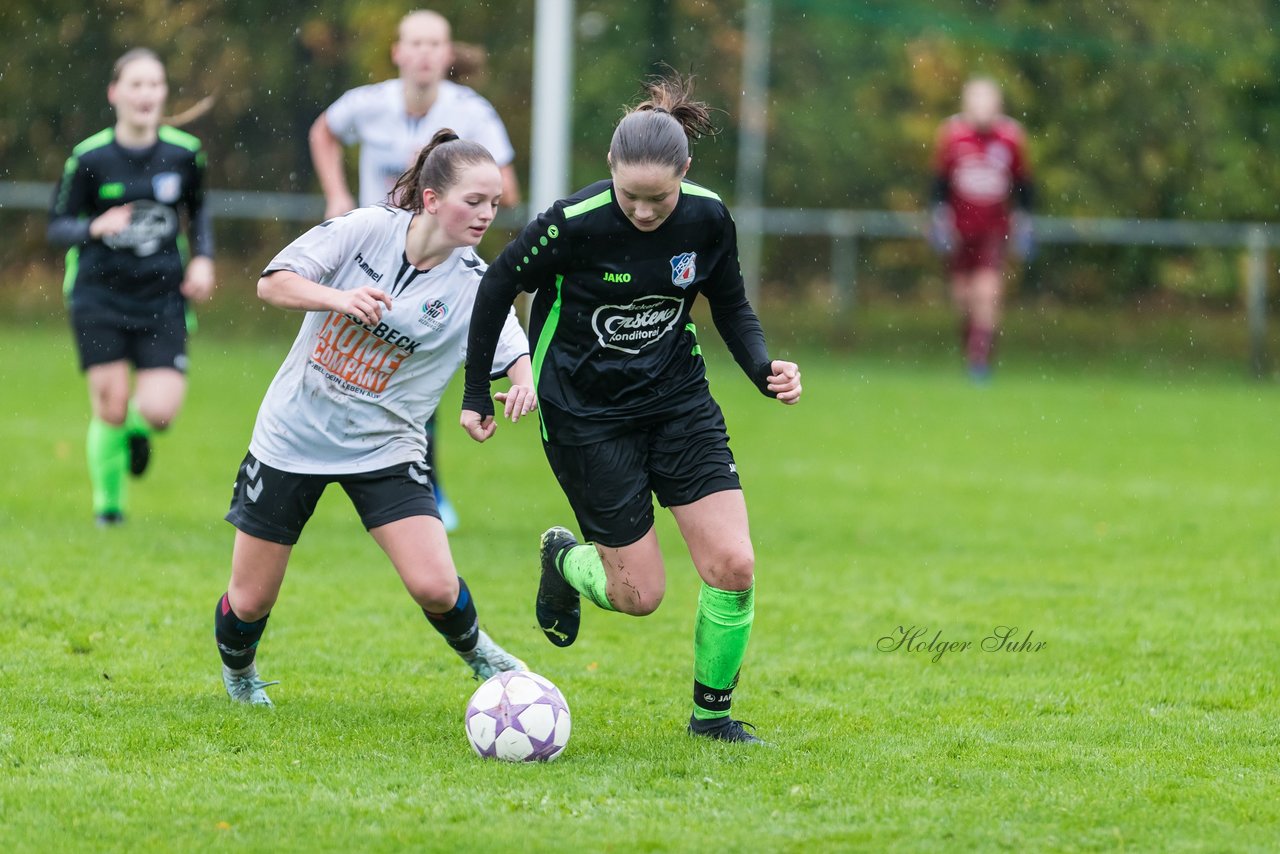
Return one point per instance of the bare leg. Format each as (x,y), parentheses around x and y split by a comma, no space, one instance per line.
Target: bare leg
(419,550)
(159,394)
(257,572)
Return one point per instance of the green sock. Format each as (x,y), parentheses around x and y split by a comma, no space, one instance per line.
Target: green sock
(720,635)
(134,423)
(108,452)
(582,568)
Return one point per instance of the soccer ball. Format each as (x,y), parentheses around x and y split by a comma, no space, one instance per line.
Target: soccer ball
(518,716)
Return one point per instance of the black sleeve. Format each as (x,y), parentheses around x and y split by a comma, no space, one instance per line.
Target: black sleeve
(735,319)
(70,214)
(526,264)
(200,225)
(1024,193)
(938,190)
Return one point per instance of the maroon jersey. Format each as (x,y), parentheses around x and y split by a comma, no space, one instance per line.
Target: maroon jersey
(980,170)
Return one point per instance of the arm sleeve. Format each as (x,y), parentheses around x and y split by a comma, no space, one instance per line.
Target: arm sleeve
(490,132)
(70,213)
(201,225)
(343,116)
(512,344)
(318,253)
(735,319)
(528,263)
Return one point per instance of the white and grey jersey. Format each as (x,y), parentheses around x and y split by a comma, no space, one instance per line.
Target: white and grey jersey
(390,139)
(353,397)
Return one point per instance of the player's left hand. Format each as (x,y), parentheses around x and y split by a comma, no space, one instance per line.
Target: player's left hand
(197,282)
(784,381)
(517,401)
(477,428)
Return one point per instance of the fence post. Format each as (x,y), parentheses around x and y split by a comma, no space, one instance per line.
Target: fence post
(844,271)
(1255,300)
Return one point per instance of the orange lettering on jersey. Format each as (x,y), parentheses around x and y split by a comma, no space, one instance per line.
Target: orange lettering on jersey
(349,352)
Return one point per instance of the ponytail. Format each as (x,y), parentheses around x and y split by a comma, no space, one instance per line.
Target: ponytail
(438,166)
(658,129)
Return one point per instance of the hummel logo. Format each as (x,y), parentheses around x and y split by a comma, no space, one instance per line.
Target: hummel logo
(368,271)
(418,475)
(733,467)
(251,489)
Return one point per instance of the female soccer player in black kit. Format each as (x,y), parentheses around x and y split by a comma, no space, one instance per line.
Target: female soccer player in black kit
(626,410)
(117,208)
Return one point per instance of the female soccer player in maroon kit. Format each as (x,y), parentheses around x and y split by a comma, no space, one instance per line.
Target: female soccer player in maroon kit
(980,174)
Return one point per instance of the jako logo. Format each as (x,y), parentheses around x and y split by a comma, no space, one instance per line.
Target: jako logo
(632,327)
(433,314)
(621,278)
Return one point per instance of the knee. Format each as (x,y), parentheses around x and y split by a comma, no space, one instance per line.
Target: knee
(639,602)
(436,595)
(250,605)
(733,569)
(109,407)
(159,417)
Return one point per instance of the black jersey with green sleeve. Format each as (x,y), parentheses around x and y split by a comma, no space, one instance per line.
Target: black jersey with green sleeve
(614,348)
(164,182)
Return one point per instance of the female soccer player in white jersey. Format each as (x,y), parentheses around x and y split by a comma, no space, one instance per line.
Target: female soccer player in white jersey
(388,292)
(626,410)
(118,209)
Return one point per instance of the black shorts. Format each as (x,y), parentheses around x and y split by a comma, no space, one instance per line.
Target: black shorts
(274,505)
(155,338)
(610,484)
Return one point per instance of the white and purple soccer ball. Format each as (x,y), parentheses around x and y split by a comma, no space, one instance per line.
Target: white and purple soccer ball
(518,716)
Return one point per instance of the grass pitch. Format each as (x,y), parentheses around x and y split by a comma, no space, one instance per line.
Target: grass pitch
(1127,525)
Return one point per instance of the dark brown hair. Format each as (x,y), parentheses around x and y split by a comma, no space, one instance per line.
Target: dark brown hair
(659,128)
(129,56)
(438,167)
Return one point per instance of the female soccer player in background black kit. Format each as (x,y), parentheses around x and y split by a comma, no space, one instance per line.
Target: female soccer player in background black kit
(626,410)
(117,207)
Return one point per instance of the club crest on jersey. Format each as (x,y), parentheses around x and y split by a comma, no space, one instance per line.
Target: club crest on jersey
(167,187)
(684,269)
(434,312)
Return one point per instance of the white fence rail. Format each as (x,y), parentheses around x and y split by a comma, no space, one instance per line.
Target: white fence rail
(845,229)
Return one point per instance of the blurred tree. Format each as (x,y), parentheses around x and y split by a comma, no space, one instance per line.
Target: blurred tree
(1160,108)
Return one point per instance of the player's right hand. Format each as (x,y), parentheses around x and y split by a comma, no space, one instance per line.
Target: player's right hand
(338,205)
(365,304)
(477,427)
(942,230)
(111,222)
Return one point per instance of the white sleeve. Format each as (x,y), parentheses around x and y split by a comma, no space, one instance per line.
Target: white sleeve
(488,130)
(343,115)
(512,344)
(318,254)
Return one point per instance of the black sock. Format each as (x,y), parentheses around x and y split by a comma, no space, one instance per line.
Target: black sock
(237,640)
(459,626)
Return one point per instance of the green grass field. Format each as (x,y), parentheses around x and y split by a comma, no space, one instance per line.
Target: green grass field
(1129,522)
